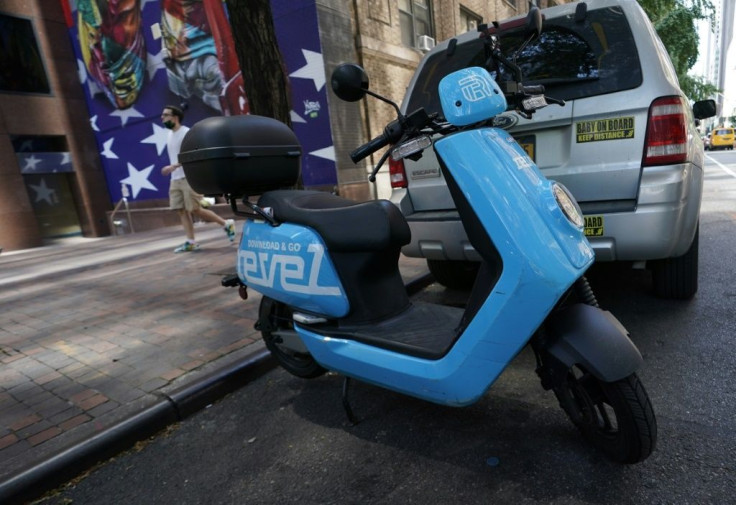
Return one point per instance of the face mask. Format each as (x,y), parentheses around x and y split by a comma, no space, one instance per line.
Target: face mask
(169,124)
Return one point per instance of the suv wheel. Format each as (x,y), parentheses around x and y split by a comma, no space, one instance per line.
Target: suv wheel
(677,278)
(454,274)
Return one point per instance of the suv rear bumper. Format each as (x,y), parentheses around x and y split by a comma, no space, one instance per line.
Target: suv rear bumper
(439,236)
(664,222)
(662,226)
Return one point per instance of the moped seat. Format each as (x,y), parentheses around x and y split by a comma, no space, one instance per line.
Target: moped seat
(343,224)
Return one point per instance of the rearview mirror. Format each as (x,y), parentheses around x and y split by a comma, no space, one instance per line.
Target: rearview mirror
(349,82)
(534,23)
(704,109)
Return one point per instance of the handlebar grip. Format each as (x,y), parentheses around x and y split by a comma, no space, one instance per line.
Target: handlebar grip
(369,148)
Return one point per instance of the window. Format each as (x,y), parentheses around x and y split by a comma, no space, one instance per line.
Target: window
(415,17)
(469,21)
(42,154)
(47,171)
(21,66)
(572,60)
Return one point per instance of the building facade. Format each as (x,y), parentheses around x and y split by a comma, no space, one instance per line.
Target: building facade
(45,135)
(53,179)
(715,63)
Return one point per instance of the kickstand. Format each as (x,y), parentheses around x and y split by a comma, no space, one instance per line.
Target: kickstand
(346,402)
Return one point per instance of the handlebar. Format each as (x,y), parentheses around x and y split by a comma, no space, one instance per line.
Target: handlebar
(526,99)
(537,89)
(367,149)
(393,133)
(555,101)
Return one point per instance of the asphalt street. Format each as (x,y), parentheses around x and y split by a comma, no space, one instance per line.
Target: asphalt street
(282,439)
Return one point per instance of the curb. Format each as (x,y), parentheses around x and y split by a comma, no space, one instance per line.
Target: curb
(174,406)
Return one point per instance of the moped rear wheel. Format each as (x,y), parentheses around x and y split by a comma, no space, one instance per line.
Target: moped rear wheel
(616,417)
(275,320)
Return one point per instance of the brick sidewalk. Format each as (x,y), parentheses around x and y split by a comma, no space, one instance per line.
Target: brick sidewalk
(93,331)
(81,350)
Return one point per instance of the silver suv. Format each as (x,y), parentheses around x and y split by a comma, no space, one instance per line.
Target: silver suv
(625,142)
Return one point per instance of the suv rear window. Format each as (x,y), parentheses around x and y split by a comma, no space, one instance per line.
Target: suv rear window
(572,60)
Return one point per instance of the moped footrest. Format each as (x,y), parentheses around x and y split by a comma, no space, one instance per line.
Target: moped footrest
(230,281)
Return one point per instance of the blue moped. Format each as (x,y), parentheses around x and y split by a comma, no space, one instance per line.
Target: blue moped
(333,299)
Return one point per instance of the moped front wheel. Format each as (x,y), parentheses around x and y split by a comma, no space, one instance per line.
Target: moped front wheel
(275,323)
(616,417)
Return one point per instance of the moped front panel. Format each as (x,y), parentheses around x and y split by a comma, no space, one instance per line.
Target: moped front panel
(542,254)
(289,263)
(515,201)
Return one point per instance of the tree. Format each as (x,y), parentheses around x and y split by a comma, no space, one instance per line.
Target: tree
(674,21)
(696,88)
(264,76)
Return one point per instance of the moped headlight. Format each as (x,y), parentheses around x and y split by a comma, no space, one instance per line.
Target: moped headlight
(568,205)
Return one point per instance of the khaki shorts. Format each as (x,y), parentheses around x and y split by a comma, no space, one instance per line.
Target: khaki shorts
(182,196)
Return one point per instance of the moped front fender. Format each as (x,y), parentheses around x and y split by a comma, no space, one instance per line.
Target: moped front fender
(592,338)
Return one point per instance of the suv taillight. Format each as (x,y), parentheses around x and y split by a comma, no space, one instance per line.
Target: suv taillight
(666,140)
(397,173)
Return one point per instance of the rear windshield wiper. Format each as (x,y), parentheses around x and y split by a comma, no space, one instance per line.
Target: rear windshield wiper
(559,81)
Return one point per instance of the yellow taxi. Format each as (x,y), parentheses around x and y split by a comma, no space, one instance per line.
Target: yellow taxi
(722,138)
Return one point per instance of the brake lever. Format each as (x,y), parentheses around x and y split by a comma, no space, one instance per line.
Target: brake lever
(372,177)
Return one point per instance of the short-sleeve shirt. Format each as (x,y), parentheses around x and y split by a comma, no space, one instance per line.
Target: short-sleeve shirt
(173,146)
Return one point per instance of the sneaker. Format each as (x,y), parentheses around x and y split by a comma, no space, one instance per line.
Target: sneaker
(230,229)
(187,247)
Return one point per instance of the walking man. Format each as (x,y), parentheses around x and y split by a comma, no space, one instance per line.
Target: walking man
(182,197)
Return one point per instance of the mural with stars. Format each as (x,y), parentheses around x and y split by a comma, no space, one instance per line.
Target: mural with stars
(136,56)
(297,31)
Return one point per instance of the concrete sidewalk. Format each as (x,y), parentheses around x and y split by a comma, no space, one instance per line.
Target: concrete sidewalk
(105,341)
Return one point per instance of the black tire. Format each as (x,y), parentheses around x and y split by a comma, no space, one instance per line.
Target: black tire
(615,417)
(454,274)
(272,315)
(677,278)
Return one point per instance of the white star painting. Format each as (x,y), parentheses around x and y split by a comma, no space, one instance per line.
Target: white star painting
(314,69)
(159,137)
(296,118)
(107,152)
(31,162)
(138,180)
(125,114)
(81,71)
(154,63)
(44,193)
(327,153)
